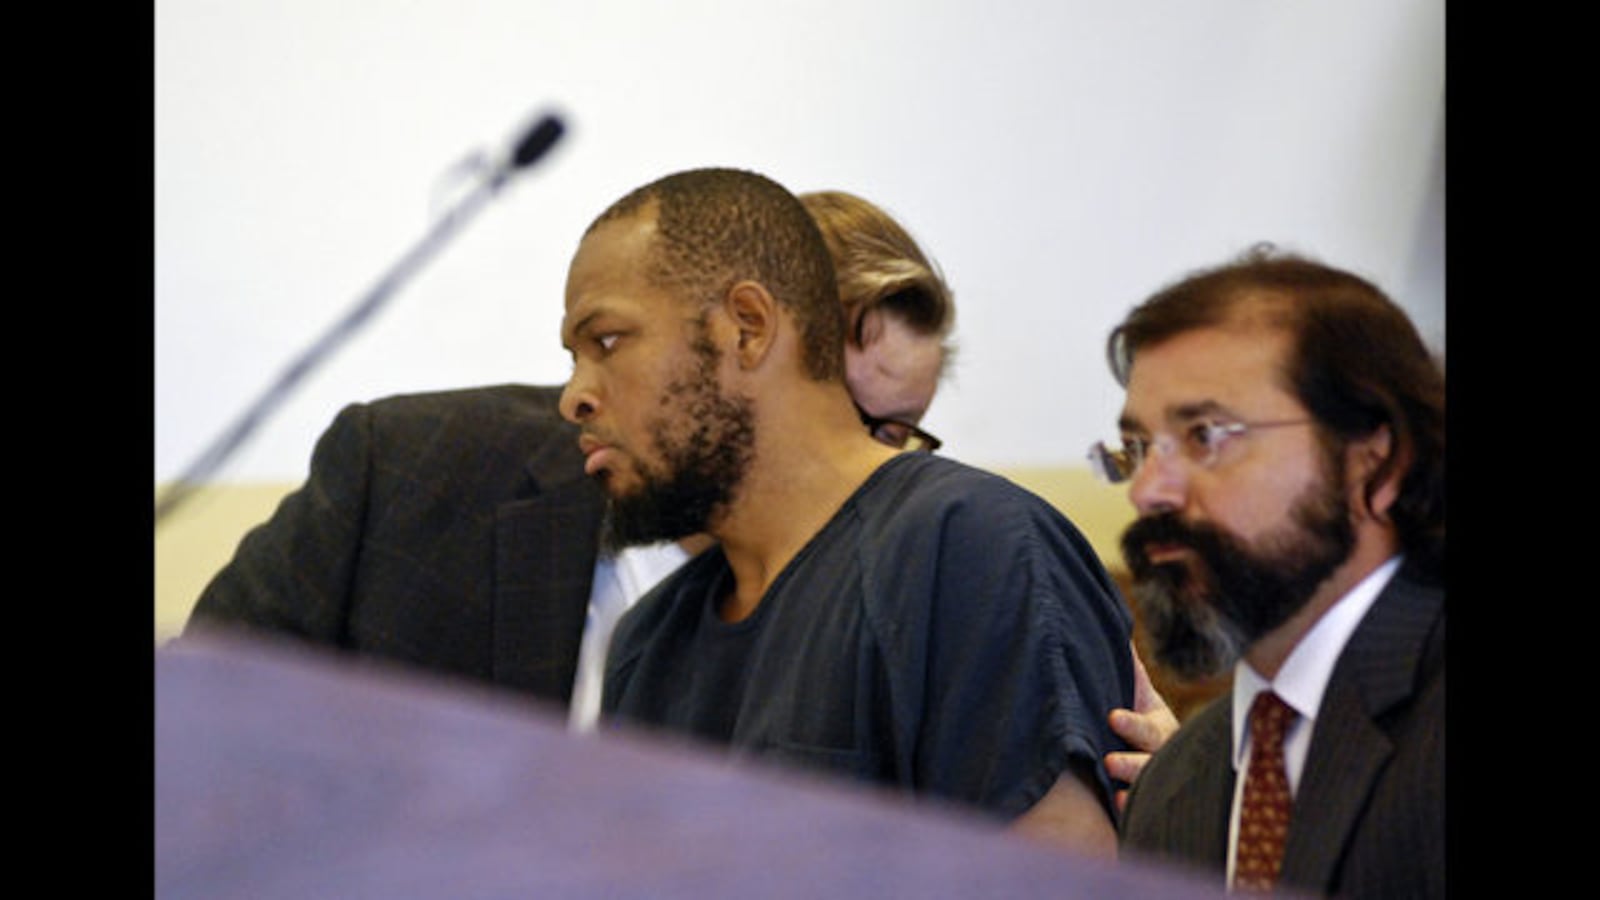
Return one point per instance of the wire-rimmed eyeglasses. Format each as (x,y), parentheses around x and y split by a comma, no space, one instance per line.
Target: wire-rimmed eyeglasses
(898,434)
(1199,443)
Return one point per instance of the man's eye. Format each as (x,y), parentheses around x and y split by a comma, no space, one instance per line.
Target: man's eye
(1202,436)
(606,341)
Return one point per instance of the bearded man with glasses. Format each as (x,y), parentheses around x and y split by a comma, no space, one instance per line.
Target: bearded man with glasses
(1283,442)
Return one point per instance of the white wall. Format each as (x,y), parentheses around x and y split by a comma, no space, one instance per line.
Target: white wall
(1060,158)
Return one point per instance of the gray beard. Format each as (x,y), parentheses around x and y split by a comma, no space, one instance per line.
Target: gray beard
(1204,617)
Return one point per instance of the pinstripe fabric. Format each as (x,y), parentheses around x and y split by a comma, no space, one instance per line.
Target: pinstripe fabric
(451,530)
(1369,811)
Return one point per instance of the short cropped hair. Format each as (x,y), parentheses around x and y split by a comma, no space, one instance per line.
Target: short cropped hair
(717,227)
(880,266)
(1356,363)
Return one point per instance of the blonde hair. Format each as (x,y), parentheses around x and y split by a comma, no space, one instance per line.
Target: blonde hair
(879,266)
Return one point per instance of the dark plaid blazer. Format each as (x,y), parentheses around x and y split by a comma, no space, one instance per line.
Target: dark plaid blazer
(454,531)
(1369,818)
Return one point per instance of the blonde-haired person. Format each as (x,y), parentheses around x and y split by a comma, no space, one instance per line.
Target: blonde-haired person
(899,312)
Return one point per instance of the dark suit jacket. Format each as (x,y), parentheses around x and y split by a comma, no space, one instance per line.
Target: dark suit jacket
(1369,812)
(452,530)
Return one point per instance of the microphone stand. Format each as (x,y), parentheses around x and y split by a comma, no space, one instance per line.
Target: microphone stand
(533,145)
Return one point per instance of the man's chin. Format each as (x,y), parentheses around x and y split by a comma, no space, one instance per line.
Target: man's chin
(643,516)
(1189,637)
(618,486)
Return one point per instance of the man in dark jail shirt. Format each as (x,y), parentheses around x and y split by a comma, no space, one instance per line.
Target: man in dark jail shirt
(888,615)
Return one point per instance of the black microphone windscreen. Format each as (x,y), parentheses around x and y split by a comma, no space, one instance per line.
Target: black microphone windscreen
(537,141)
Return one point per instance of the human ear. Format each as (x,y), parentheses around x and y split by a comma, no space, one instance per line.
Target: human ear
(869,327)
(754,313)
(1374,473)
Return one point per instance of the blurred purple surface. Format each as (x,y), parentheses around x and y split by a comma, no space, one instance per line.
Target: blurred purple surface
(285,772)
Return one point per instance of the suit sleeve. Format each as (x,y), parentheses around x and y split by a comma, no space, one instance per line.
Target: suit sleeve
(293,573)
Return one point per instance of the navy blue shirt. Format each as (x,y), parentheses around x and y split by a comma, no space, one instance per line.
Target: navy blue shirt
(947,632)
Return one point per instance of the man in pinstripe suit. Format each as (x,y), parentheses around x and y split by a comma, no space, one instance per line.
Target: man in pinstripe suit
(1283,431)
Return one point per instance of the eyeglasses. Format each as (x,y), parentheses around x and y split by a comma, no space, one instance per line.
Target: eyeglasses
(1200,444)
(898,434)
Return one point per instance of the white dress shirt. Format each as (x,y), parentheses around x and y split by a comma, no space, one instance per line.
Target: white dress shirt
(619,582)
(1301,683)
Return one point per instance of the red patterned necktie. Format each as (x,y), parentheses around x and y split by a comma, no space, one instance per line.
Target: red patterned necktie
(1264,811)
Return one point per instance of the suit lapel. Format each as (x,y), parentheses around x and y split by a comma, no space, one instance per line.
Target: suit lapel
(1376,671)
(1198,802)
(545,550)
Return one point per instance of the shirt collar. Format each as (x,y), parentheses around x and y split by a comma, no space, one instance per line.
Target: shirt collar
(1304,676)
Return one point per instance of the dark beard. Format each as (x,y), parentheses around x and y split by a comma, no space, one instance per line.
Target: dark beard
(1202,616)
(702,469)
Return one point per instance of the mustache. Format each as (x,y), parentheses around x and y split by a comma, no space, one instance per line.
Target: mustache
(1194,637)
(589,435)
(1165,528)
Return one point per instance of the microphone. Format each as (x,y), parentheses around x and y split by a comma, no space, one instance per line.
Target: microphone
(537,142)
(534,144)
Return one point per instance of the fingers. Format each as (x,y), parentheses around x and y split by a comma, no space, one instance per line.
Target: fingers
(1143,731)
(1145,728)
(1124,766)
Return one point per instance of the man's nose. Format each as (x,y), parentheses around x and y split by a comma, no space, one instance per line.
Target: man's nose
(1160,483)
(578,400)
